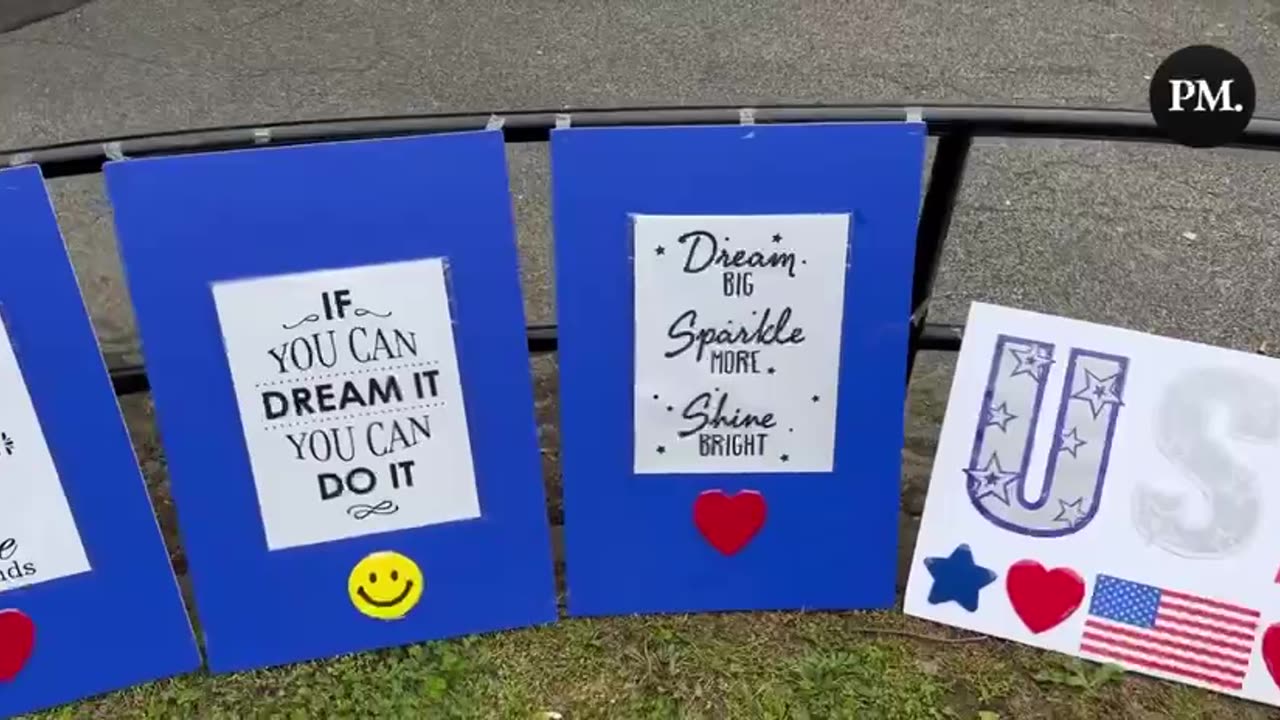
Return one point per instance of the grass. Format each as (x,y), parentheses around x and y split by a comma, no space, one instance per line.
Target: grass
(764,665)
(798,666)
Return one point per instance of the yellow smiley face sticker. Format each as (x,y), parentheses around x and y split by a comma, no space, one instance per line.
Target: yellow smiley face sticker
(385,585)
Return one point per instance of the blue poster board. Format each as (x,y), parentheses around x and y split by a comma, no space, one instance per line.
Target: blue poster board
(241,265)
(639,539)
(88,600)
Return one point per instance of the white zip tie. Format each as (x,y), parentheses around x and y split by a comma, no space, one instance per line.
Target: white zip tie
(261,136)
(563,120)
(746,116)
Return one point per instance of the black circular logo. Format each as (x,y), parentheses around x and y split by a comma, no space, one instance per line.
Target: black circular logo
(1202,96)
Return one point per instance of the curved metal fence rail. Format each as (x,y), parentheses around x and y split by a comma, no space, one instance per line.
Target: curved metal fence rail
(954,126)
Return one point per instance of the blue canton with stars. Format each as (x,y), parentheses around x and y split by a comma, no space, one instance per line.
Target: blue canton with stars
(957,578)
(1125,601)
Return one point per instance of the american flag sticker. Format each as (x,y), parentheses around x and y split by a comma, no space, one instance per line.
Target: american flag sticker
(1144,627)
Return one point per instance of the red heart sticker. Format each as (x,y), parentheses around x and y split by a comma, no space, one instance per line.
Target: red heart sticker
(1043,598)
(17,637)
(729,522)
(1271,652)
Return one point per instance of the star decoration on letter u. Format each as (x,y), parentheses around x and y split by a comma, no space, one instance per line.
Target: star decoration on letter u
(1033,361)
(992,480)
(1071,441)
(999,416)
(1070,513)
(1100,393)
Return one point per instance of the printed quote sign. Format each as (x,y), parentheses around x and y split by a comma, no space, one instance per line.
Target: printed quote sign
(1103,493)
(349,393)
(737,341)
(38,536)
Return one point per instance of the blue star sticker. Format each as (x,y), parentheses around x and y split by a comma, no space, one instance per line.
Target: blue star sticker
(992,480)
(1000,416)
(957,578)
(1071,442)
(1100,393)
(1033,361)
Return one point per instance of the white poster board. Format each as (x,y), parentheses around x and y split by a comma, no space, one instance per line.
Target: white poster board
(350,399)
(38,536)
(737,341)
(1107,494)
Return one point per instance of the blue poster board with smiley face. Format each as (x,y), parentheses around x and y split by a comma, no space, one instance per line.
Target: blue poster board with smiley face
(88,600)
(733,305)
(335,339)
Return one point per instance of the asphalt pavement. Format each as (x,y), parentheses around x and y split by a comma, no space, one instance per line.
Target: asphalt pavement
(1157,238)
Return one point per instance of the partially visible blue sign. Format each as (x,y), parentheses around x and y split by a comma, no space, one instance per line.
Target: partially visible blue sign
(88,600)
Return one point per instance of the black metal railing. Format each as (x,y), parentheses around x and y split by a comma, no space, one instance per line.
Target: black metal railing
(954,126)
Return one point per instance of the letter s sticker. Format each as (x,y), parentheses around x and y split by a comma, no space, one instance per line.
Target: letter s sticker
(1182,435)
(1078,454)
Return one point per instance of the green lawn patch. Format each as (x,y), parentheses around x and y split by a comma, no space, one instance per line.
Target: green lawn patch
(798,666)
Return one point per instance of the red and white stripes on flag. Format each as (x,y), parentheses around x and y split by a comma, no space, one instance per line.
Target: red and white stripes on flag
(1145,627)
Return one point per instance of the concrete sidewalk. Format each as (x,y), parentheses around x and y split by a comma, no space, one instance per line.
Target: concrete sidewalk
(1159,238)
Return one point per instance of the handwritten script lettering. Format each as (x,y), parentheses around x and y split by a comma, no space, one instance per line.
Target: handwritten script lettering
(705,252)
(737,341)
(765,332)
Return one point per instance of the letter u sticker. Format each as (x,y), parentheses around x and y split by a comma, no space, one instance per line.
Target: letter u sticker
(1078,451)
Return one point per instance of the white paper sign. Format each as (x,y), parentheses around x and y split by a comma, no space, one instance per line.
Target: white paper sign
(1109,494)
(349,394)
(738,325)
(38,536)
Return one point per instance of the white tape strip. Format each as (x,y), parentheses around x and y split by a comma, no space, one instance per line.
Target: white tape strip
(495,123)
(19,159)
(563,120)
(915,114)
(113,151)
(261,136)
(746,116)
